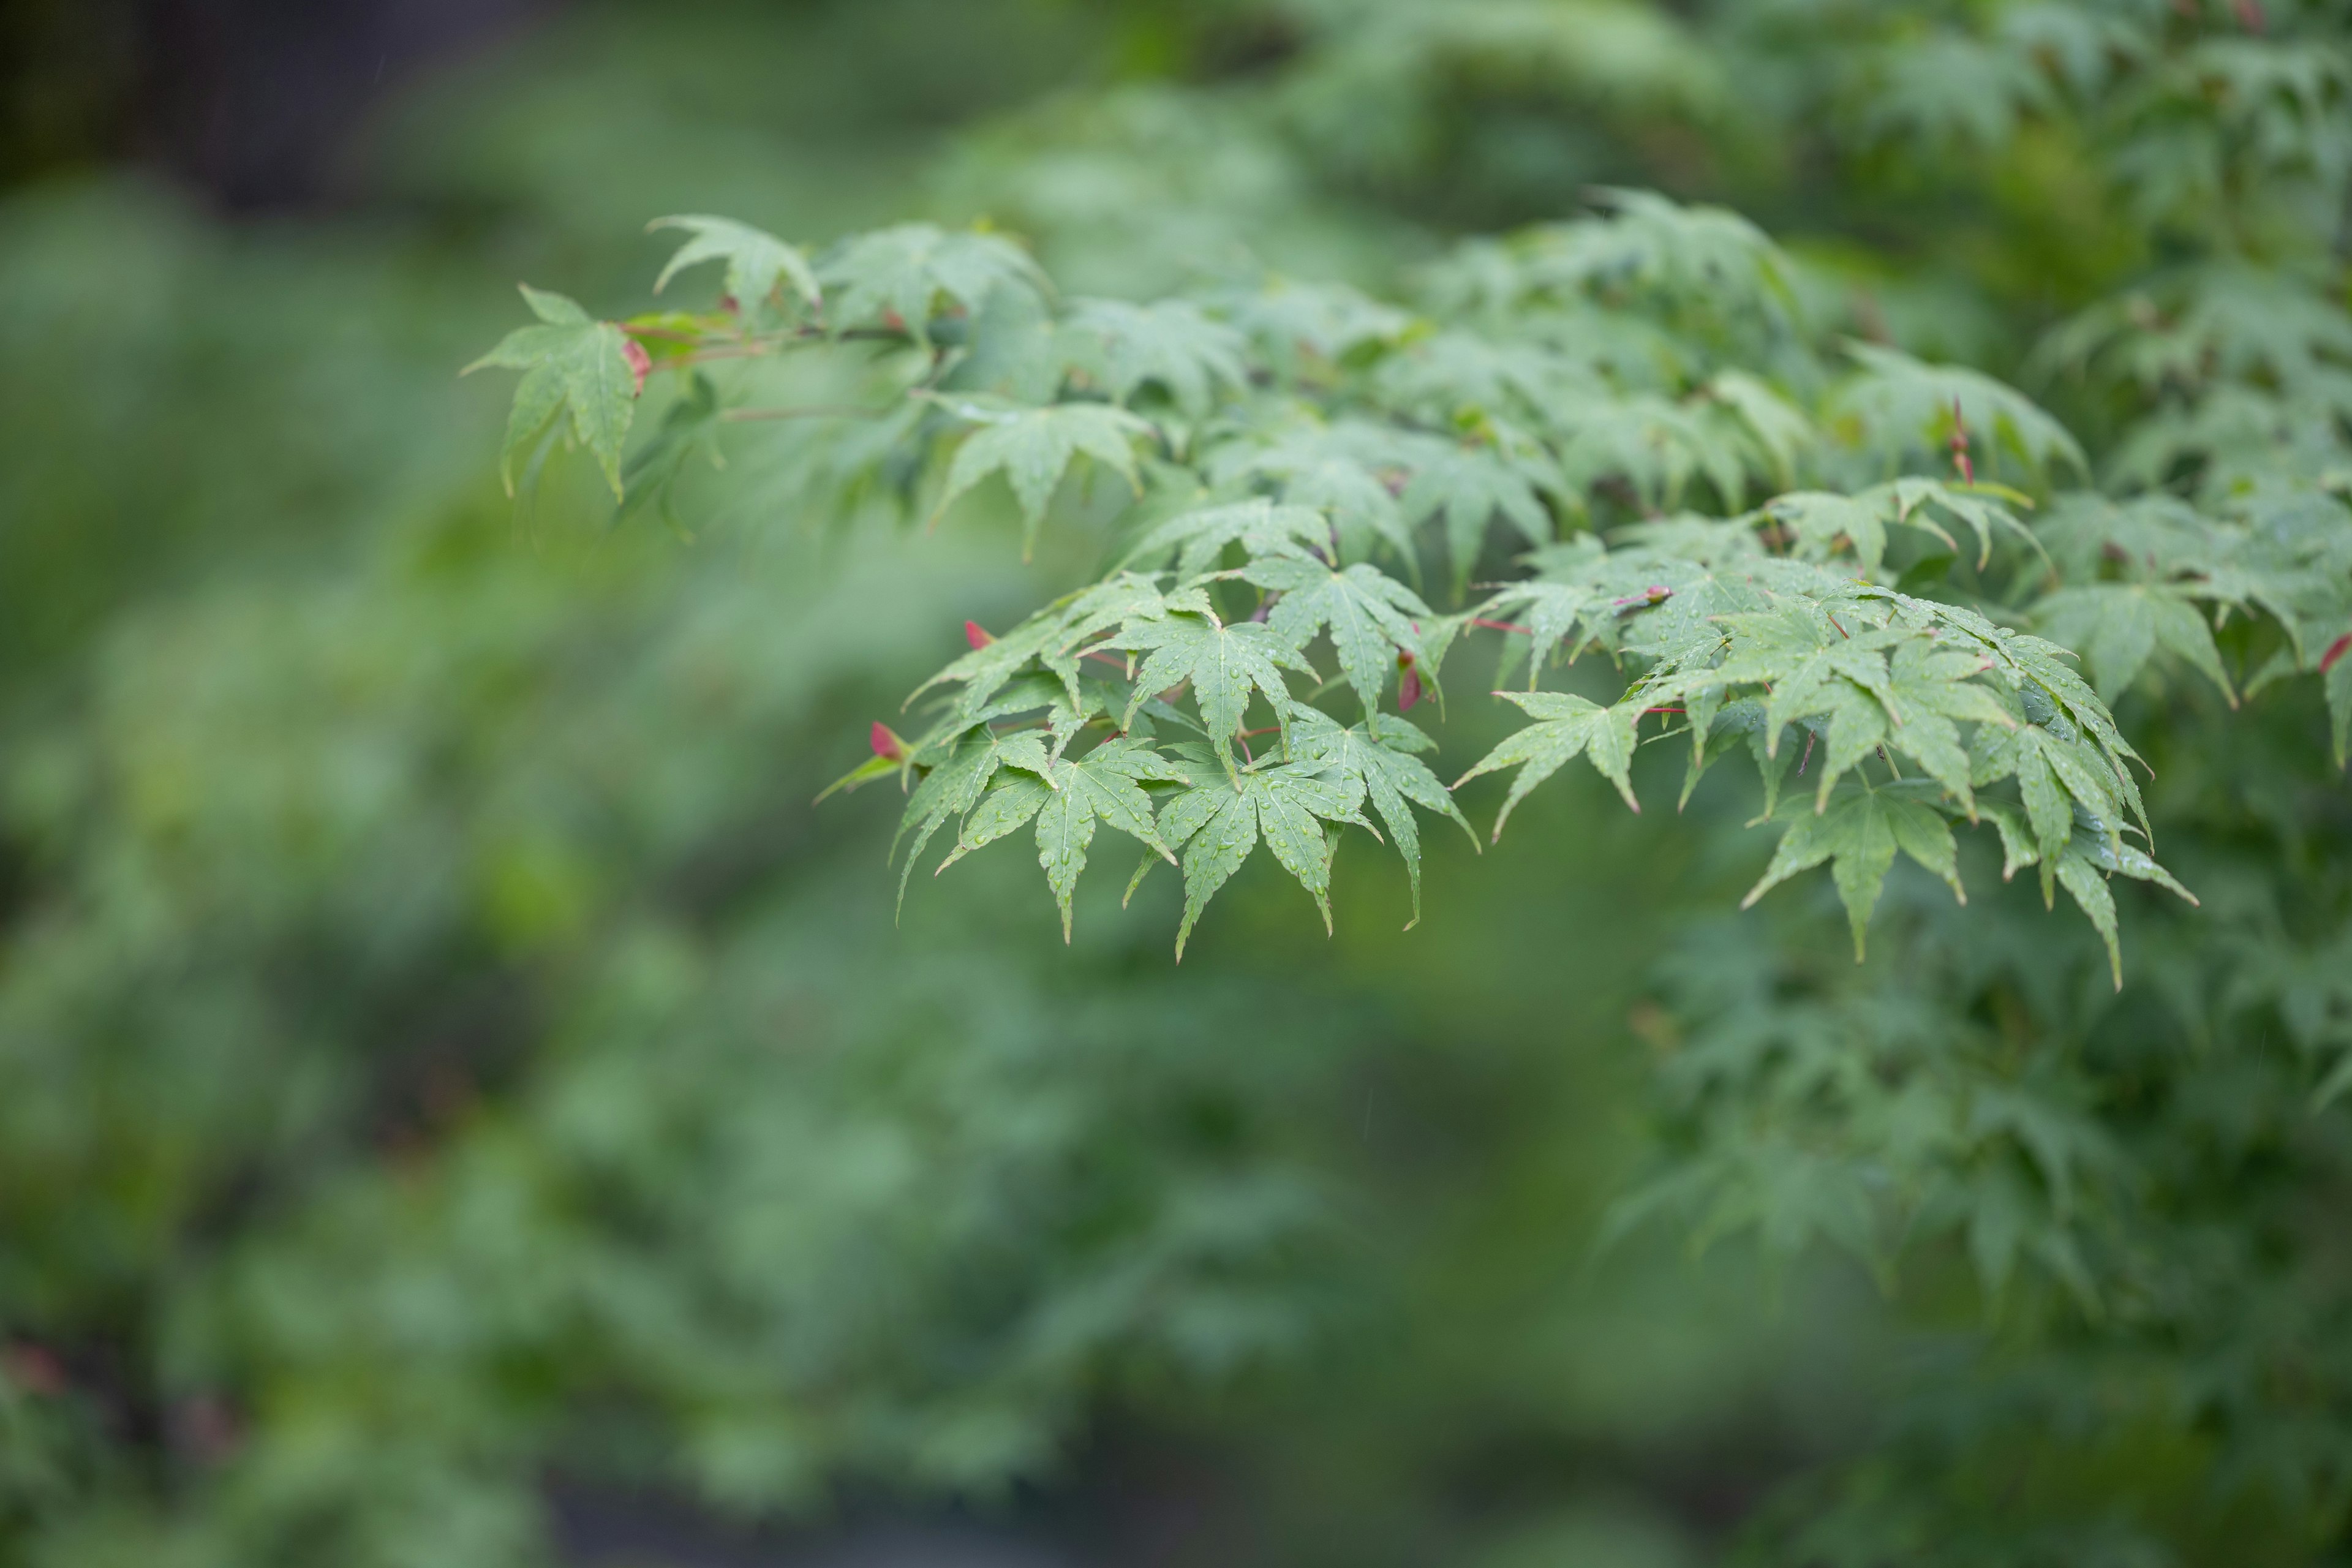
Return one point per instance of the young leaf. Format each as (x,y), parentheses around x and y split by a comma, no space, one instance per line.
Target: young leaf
(1105,786)
(895,276)
(1223,663)
(1859,831)
(2117,626)
(1376,756)
(1170,342)
(1566,725)
(1217,825)
(1368,612)
(956,782)
(570,363)
(1196,539)
(1035,446)
(757,261)
(1468,486)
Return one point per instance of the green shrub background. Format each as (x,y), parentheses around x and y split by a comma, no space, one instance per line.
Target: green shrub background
(445,1057)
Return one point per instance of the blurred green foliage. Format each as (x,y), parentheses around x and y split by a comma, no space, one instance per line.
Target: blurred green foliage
(441,1049)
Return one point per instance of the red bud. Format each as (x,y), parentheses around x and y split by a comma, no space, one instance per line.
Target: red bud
(2334,651)
(886,744)
(1409,687)
(976,636)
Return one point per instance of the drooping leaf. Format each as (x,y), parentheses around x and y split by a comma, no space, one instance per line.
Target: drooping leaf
(1859,832)
(1467,487)
(1105,786)
(1567,726)
(689,429)
(1035,446)
(1217,824)
(956,780)
(2119,626)
(1377,755)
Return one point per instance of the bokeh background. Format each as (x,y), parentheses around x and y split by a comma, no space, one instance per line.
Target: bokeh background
(460,1104)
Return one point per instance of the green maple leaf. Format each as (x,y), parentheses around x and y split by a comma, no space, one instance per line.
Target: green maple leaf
(570,363)
(2118,627)
(1217,824)
(1818,521)
(1172,342)
(1011,802)
(2085,870)
(1368,614)
(1337,469)
(1982,509)
(958,781)
(1034,448)
(895,276)
(757,261)
(1290,322)
(1448,372)
(1197,539)
(1930,692)
(1468,485)
(1378,756)
(1223,663)
(1656,445)
(2041,675)
(1567,726)
(1904,404)
(2081,866)
(1067,799)
(1818,671)
(1120,597)
(1779,428)
(2089,891)
(1849,722)
(995,676)
(1658,243)
(1859,832)
(1105,786)
(2056,773)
